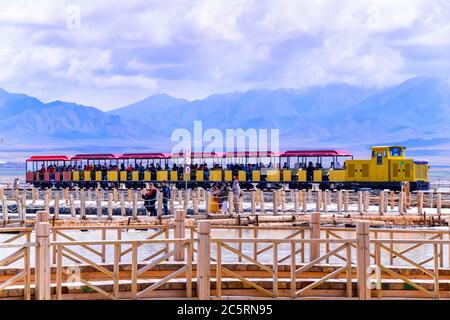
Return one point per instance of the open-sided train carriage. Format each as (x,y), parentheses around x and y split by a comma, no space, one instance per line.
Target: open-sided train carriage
(299,169)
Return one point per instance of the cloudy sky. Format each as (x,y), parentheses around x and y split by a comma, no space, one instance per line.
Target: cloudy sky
(112,53)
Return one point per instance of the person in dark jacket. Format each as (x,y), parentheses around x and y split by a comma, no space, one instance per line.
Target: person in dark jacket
(310,172)
(166,196)
(150,200)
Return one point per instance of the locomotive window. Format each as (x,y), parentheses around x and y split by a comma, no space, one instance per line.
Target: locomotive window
(379,159)
(396,152)
(385,153)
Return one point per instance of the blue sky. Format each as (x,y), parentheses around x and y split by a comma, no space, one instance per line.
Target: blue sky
(112,53)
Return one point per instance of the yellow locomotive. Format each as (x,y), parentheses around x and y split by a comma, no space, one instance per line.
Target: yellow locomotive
(386,169)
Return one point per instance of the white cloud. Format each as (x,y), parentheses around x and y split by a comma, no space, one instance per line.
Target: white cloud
(124,51)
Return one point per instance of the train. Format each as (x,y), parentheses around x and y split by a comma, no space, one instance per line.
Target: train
(387,168)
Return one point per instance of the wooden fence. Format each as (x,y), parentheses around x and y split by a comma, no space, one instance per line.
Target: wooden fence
(301,263)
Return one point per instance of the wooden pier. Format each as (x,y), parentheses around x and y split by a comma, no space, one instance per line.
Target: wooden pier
(198,262)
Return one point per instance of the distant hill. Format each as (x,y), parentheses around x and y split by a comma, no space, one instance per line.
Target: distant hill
(28,119)
(145,109)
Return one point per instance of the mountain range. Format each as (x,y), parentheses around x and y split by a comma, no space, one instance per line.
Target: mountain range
(414,113)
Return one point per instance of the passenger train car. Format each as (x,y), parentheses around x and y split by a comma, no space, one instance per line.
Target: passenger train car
(299,169)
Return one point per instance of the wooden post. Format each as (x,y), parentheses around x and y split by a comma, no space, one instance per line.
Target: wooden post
(305,202)
(99,207)
(262,203)
(110,205)
(195,201)
(82,204)
(159,197)
(172,203)
(73,212)
(115,195)
(56,206)
(46,200)
(386,200)
(179,234)
(366,201)
(253,202)
(309,198)
(122,205)
(42,266)
(186,200)
(363,260)
(283,201)
(325,200)
(180,197)
(419,202)
(130,195)
(381,203)
(347,200)
(401,202)
(5,210)
(295,200)
(439,203)
(318,198)
(431,198)
(360,202)
(33,195)
(134,213)
(275,201)
(392,199)
(315,234)
(339,201)
(204,260)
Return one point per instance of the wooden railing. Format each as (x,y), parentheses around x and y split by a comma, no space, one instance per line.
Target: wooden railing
(300,263)
(21,245)
(138,266)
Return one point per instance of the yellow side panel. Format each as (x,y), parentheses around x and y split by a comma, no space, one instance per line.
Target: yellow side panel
(147,176)
(301,175)
(337,175)
(199,175)
(287,175)
(76,175)
(98,175)
(173,175)
(228,175)
(162,175)
(350,170)
(187,177)
(123,176)
(242,175)
(135,175)
(273,175)
(112,175)
(215,175)
(87,176)
(317,176)
(256,175)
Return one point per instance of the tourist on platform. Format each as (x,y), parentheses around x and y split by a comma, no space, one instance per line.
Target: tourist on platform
(237,194)
(150,200)
(166,196)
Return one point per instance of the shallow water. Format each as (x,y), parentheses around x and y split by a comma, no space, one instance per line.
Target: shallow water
(283,250)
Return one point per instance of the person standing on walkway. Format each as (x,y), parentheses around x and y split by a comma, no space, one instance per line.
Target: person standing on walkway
(166,196)
(150,200)
(237,193)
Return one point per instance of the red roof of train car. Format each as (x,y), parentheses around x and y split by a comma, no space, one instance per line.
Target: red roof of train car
(96,156)
(145,156)
(252,154)
(198,155)
(48,158)
(316,153)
